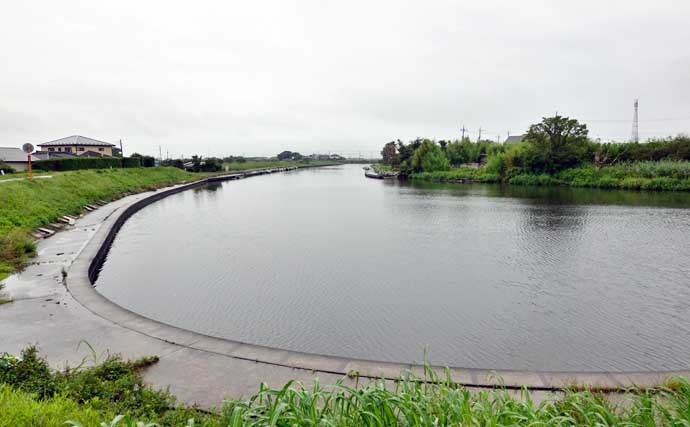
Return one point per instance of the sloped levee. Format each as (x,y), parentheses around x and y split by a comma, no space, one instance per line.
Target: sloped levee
(84,273)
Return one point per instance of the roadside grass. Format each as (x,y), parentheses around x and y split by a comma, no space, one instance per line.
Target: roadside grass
(26,205)
(114,393)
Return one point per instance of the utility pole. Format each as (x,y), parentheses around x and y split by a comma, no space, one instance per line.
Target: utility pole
(463,133)
(635,129)
(122,153)
(479,137)
(160,154)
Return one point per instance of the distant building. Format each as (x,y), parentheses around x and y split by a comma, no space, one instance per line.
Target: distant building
(79,146)
(514,139)
(47,155)
(326,157)
(16,158)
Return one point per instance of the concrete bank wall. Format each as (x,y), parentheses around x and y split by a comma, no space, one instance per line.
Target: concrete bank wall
(84,273)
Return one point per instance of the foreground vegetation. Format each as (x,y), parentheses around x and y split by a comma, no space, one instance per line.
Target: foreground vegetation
(556,151)
(26,205)
(113,393)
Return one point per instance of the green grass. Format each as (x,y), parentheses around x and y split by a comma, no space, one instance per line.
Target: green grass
(457,175)
(661,175)
(19,409)
(32,395)
(658,175)
(26,205)
(31,390)
(263,164)
(380,167)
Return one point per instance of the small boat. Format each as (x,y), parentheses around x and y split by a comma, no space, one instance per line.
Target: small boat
(373,175)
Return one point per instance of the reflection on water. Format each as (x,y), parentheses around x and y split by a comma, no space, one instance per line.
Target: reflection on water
(326,261)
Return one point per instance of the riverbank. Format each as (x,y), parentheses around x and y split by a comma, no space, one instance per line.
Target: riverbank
(58,308)
(267,164)
(26,206)
(32,394)
(384,171)
(657,176)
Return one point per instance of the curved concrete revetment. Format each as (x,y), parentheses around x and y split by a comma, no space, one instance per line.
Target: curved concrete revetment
(84,272)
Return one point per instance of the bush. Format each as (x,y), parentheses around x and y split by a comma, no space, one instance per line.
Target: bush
(429,158)
(77,163)
(113,386)
(15,248)
(6,168)
(28,373)
(146,161)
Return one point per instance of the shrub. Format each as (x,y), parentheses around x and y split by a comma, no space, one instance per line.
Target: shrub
(17,246)
(145,161)
(429,158)
(76,163)
(6,168)
(113,386)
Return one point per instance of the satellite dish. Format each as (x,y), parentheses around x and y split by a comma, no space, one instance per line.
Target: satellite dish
(28,148)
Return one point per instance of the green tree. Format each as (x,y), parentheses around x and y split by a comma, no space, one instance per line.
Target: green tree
(429,158)
(457,153)
(389,154)
(289,155)
(561,142)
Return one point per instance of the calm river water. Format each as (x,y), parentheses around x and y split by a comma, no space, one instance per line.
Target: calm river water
(327,261)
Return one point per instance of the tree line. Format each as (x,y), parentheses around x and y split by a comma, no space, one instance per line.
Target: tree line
(555,144)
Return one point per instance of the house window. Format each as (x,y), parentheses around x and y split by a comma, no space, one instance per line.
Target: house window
(51,149)
(59,148)
(68,149)
(100,148)
(80,148)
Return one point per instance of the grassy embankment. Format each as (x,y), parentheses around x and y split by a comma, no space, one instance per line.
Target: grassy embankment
(32,395)
(381,168)
(25,205)
(652,175)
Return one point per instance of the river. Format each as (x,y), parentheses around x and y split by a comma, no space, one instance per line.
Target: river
(326,261)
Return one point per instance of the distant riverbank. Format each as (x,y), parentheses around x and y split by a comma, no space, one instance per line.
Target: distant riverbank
(650,175)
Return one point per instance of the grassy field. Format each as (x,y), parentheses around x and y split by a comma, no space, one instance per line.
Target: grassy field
(33,395)
(26,205)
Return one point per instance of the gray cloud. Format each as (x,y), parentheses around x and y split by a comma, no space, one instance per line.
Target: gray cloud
(257,77)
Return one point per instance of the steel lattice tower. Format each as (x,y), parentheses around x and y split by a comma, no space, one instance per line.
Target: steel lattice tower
(635,130)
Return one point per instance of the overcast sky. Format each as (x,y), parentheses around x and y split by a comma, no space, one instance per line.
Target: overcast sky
(257,77)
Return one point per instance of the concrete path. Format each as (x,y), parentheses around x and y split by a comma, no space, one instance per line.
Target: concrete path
(2,181)
(56,308)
